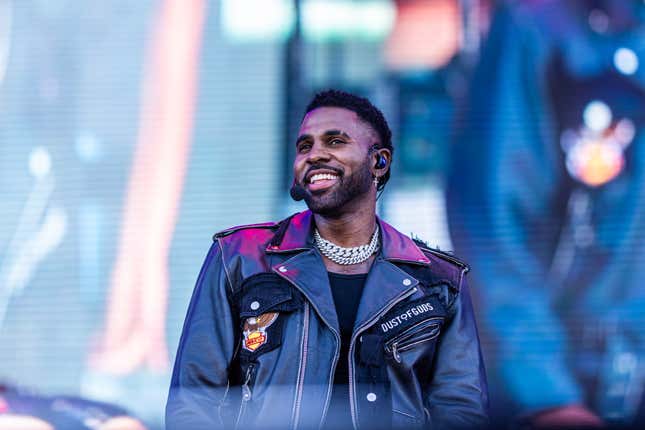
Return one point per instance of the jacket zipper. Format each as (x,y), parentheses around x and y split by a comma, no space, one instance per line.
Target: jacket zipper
(301,370)
(362,328)
(331,374)
(246,392)
(394,345)
(336,354)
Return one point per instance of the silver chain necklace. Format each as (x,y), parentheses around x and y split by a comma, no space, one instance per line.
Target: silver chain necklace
(346,256)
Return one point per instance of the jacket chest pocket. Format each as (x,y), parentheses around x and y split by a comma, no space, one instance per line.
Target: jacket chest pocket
(417,335)
(269,309)
(264,301)
(412,326)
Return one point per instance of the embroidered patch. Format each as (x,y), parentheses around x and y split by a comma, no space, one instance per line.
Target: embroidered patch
(409,314)
(255,334)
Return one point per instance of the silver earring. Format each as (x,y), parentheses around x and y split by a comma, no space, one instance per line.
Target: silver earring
(375,181)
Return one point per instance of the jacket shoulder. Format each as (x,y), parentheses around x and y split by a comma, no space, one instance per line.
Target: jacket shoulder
(445,256)
(259,226)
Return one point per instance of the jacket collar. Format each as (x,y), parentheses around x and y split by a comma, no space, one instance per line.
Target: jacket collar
(385,283)
(395,246)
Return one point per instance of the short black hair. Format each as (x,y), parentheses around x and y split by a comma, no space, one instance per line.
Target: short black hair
(365,111)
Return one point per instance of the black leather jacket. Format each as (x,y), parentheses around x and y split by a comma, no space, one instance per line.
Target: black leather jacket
(414,357)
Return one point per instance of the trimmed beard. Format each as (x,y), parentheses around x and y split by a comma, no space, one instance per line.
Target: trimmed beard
(330,203)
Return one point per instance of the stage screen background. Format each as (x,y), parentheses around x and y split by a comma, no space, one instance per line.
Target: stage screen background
(132,131)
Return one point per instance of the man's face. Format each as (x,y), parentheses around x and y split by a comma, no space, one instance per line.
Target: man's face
(332,161)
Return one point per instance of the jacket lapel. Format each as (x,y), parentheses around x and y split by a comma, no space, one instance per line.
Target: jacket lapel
(307,272)
(306,269)
(385,282)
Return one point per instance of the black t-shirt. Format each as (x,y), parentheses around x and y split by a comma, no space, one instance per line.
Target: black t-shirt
(347,291)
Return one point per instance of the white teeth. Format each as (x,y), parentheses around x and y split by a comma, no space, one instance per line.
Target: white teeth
(321,176)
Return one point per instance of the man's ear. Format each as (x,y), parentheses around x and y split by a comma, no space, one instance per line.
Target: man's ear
(382,159)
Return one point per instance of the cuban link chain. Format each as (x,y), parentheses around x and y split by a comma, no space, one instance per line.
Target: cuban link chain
(346,256)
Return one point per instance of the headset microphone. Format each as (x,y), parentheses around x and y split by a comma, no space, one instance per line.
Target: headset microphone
(297,192)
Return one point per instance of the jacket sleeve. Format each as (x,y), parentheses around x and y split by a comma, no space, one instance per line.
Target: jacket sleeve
(506,174)
(200,377)
(458,395)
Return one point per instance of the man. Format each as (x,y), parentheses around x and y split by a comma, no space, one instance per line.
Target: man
(331,317)
(546,201)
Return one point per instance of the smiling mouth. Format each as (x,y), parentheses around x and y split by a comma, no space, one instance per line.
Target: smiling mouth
(321,181)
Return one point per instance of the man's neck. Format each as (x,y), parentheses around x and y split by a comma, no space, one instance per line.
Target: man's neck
(348,229)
